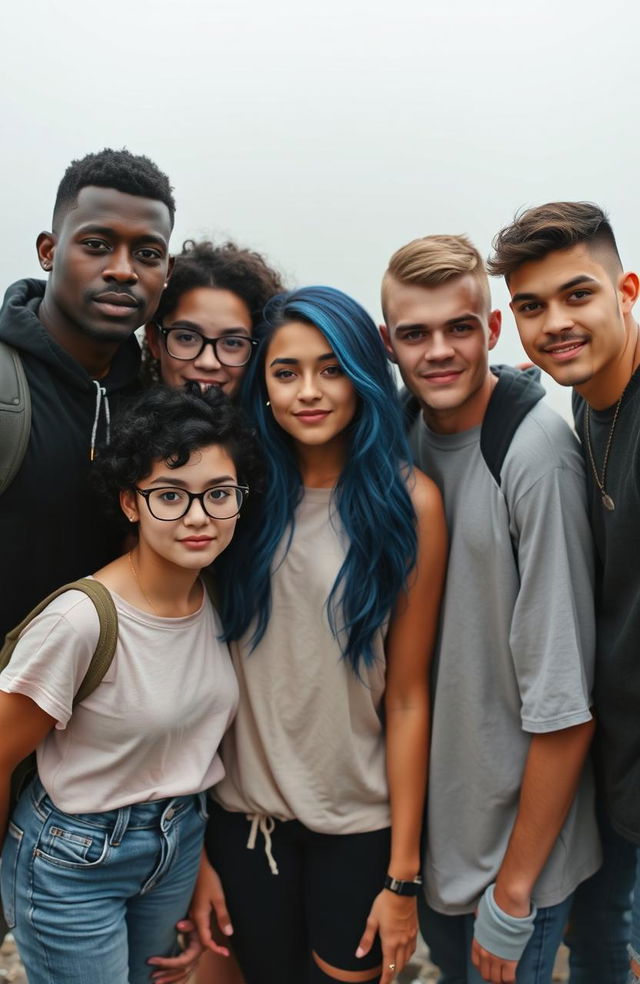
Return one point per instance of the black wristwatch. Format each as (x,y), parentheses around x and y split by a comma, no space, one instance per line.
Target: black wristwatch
(403,887)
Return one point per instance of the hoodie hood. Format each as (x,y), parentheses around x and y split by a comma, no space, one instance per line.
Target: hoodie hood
(21,328)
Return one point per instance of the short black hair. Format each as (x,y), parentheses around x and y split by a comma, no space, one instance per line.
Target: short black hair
(169,424)
(133,174)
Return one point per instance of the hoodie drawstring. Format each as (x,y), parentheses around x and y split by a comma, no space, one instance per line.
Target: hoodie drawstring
(101,394)
(266,825)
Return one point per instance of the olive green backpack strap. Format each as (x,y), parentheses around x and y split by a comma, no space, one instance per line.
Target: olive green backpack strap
(15,414)
(105,646)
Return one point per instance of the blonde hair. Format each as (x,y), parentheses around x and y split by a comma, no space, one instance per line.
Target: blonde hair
(434,260)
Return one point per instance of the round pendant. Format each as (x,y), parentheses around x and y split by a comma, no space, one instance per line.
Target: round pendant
(608,502)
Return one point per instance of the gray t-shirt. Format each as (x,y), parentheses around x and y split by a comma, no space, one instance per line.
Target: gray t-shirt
(515,652)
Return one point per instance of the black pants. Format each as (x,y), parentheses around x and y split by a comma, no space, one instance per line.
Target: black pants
(317,903)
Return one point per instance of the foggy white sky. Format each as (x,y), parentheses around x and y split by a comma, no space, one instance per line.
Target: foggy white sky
(327,134)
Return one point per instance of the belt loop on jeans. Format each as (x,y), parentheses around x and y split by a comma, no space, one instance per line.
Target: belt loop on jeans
(121,824)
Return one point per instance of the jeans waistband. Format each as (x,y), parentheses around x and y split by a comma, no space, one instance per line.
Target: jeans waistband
(153,813)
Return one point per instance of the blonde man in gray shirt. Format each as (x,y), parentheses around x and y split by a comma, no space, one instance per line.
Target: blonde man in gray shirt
(510,828)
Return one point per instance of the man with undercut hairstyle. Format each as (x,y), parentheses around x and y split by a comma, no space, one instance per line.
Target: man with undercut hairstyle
(573,305)
(510,829)
(107,261)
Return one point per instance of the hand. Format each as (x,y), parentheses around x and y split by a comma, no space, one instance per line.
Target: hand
(173,970)
(492,968)
(395,917)
(208,896)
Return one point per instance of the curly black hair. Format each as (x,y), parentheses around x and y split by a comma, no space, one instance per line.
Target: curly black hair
(133,174)
(166,424)
(244,272)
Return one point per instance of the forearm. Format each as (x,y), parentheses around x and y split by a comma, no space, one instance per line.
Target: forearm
(407,749)
(550,780)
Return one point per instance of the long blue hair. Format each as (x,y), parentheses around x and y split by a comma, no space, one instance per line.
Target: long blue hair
(371,494)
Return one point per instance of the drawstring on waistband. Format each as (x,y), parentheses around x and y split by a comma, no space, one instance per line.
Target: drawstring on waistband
(101,394)
(266,825)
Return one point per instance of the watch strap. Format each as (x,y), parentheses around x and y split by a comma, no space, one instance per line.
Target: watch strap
(399,887)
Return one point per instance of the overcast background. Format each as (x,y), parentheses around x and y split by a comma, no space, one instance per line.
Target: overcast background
(327,134)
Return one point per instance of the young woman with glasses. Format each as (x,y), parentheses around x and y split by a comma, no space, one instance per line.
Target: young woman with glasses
(102,850)
(202,330)
(330,599)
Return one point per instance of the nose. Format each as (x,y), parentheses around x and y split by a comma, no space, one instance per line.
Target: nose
(120,267)
(208,358)
(195,514)
(309,388)
(558,318)
(440,348)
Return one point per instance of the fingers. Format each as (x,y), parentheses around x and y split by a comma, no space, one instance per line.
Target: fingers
(369,935)
(492,968)
(222,916)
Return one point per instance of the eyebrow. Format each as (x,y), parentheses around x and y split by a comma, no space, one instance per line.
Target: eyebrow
(184,323)
(467,316)
(98,230)
(294,362)
(582,279)
(168,481)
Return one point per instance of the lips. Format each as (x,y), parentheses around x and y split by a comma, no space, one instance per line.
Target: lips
(565,349)
(312,416)
(116,304)
(196,542)
(443,376)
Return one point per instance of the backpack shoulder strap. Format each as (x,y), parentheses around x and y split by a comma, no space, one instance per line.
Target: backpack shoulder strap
(514,395)
(15,414)
(107,639)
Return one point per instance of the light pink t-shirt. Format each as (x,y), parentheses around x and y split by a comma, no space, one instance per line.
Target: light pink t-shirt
(151,729)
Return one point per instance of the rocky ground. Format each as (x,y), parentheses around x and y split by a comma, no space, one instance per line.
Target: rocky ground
(419,971)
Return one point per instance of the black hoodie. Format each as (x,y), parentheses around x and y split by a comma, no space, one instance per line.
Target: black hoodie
(51,528)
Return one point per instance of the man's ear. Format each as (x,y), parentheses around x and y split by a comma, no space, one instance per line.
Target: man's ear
(628,288)
(386,341)
(153,340)
(170,266)
(495,327)
(46,247)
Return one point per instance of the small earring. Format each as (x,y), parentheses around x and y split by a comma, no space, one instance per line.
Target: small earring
(268,403)
(45,266)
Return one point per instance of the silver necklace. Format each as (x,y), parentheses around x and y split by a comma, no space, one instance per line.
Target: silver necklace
(142,591)
(607,501)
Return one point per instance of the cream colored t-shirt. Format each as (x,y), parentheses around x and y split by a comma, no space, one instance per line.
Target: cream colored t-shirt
(151,729)
(308,741)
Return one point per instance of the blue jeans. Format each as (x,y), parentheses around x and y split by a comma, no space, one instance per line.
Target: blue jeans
(449,940)
(90,897)
(599,922)
(634,941)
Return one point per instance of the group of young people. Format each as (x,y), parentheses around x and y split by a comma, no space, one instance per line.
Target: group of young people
(352,690)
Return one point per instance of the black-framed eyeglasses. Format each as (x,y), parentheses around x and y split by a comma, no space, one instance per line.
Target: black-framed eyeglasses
(186,344)
(219,502)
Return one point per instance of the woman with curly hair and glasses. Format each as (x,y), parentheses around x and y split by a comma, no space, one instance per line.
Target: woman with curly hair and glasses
(103,847)
(202,331)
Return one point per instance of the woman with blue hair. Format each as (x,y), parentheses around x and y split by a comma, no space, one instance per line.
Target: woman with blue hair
(330,602)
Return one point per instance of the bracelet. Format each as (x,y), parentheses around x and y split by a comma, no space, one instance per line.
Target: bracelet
(502,935)
(403,887)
